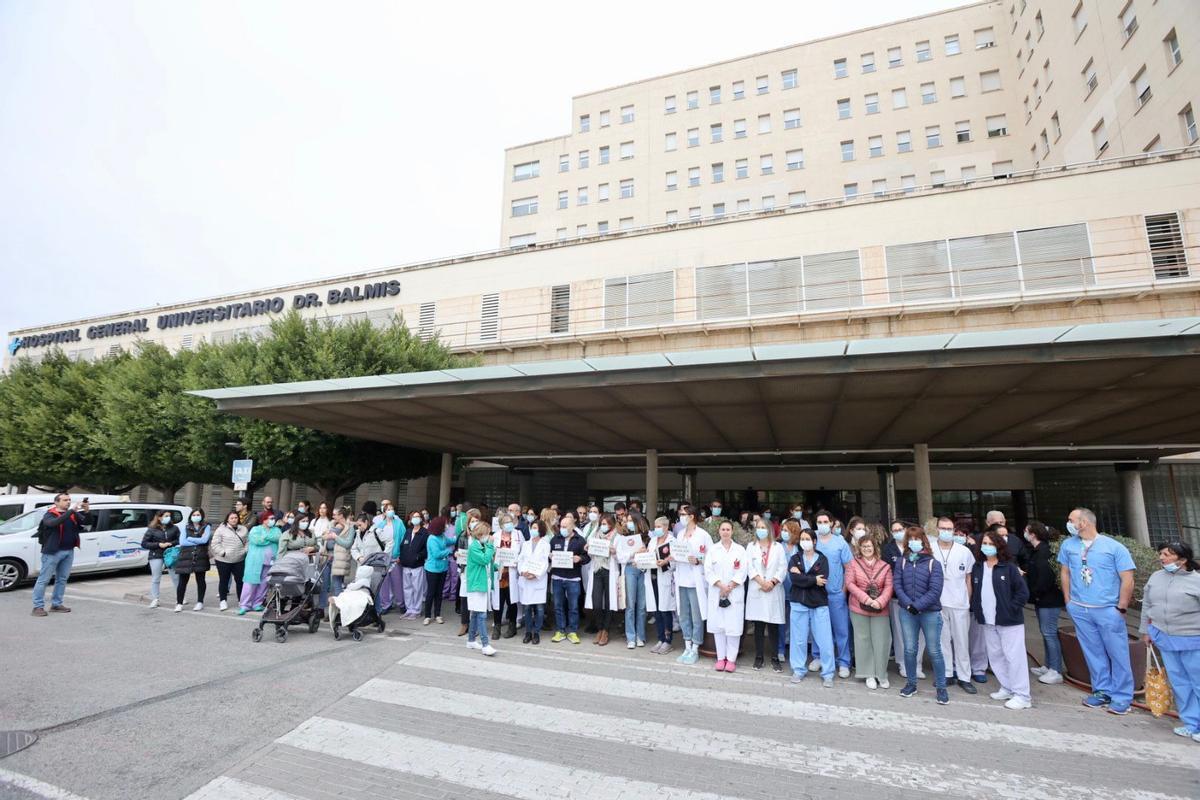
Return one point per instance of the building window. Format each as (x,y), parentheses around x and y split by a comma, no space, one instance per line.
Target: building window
(585,123)
(604,154)
(523,172)
(715,132)
(1174,54)
(1100,138)
(693,100)
(903,142)
(908,183)
(797,199)
(602,193)
(669,104)
(937,178)
(1056,126)
(795,159)
(714,95)
(1039,25)
(626,114)
(764,123)
(1141,87)
(489,317)
(899,98)
(848,150)
(694,212)
(562,199)
(923,51)
(693,176)
(849,190)
(1001,169)
(1166,246)
(1044,138)
(761,84)
(1079,19)
(997,126)
(564,162)
(672,141)
(625,224)
(581,229)
(718,172)
(839,68)
(868,62)
(739,90)
(560,234)
(967,173)
(741,168)
(626,150)
(1037,94)
(768,202)
(425,321)
(1025,105)
(962,131)
(743,205)
(875,146)
(718,209)
(602,227)
(1187,117)
(1129,23)
(895,57)
(958,86)
(870,103)
(788,78)
(626,188)
(693,137)
(739,129)
(524,206)
(984,38)
(581,196)
(989,81)
(791,119)
(583,159)
(605,119)
(1046,74)
(560,308)
(879,187)
(1028,47)
(672,216)
(1089,76)
(933,136)
(672,181)
(843,108)
(928,93)
(766,164)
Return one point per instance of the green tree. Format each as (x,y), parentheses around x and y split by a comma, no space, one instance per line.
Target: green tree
(50,431)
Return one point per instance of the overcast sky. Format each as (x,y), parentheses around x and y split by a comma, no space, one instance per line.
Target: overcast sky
(153,152)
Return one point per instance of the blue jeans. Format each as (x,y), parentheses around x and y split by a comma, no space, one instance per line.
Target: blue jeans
(566,605)
(1105,642)
(533,616)
(803,621)
(478,627)
(1183,669)
(57,566)
(691,624)
(839,621)
(1048,625)
(635,604)
(930,624)
(664,621)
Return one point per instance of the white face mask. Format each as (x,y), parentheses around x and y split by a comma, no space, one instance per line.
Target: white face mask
(196,518)
(806,545)
(472,524)
(416,522)
(593,516)
(304,525)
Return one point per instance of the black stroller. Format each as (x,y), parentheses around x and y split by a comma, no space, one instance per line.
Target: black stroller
(369,615)
(294,586)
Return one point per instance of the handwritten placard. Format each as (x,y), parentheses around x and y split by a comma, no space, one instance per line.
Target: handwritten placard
(599,547)
(680,550)
(460,556)
(506,557)
(562,559)
(535,567)
(645,560)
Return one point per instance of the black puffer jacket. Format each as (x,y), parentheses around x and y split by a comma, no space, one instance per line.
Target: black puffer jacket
(193,558)
(156,536)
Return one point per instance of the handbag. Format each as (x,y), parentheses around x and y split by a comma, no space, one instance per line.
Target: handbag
(1158,688)
(170,556)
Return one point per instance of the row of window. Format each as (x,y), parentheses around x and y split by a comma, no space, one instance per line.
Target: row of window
(526,206)
(984,38)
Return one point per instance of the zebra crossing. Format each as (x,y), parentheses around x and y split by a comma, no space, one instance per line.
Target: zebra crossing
(565,722)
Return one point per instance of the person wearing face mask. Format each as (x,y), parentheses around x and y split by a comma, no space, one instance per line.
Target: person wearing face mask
(631,541)
(411,550)
(227,549)
(767,515)
(589,522)
(461,544)
(837,552)
(161,534)
(601,591)
(438,548)
(918,587)
(765,599)
(808,605)
(193,559)
(801,516)
(346,553)
(297,535)
(869,583)
(893,554)
(1171,622)
(856,530)
(998,605)
(1047,599)
(481,556)
(534,568)
(691,589)
(725,573)
(392,590)
(956,561)
(264,539)
(789,538)
(567,582)
(660,585)
(716,509)
(504,582)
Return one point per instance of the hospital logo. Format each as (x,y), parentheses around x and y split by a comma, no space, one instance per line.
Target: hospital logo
(14,345)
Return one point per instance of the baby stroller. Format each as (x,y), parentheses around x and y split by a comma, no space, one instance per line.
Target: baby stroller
(355,606)
(294,584)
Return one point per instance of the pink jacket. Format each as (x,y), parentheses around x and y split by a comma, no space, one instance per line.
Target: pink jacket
(858,578)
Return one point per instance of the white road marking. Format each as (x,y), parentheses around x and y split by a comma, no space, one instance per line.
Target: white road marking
(224,788)
(40,788)
(736,748)
(473,768)
(912,724)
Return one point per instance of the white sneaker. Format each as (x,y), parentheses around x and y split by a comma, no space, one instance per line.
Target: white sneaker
(1002,694)
(883,684)
(440,621)
(425,621)
(154,603)
(198,607)
(843,672)
(814,665)
(1039,671)
(872,683)
(640,643)
(178,607)
(224,606)
(920,674)
(630,645)
(474,646)
(1018,703)
(488,651)
(1051,677)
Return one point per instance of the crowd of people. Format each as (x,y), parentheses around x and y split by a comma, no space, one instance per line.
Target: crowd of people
(818,595)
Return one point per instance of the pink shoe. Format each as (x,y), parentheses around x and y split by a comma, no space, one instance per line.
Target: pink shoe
(730,666)
(721,665)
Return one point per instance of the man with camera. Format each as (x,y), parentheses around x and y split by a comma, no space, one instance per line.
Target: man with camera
(58,534)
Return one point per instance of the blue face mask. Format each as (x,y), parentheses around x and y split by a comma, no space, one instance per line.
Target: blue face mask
(916,545)
(453,513)
(988,550)
(797,515)
(631,525)
(960,540)
(1171,567)
(898,536)
(761,533)
(945,536)
(785,536)
(508,527)
(823,528)
(766,515)
(1071,529)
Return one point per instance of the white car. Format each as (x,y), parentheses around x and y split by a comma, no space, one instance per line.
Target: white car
(13,504)
(113,542)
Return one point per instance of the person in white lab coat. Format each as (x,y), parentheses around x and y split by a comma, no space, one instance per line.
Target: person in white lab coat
(660,589)
(600,584)
(533,570)
(691,588)
(630,542)
(725,574)
(504,581)
(765,598)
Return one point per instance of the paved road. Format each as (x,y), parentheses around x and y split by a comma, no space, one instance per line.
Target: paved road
(155,704)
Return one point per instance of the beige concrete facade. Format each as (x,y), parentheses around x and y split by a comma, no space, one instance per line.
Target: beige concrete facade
(932,100)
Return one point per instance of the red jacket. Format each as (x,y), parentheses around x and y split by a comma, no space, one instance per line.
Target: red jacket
(859,576)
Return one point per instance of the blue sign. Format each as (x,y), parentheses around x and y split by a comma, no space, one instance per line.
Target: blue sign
(242,469)
(14,346)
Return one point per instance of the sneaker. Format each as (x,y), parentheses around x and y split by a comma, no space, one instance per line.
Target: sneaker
(1039,671)
(694,656)
(241,612)
(758,663)
(1018,703)
(425,621)
(258,608)
(1001,694)
(641,643)
(1119,710)
(178,607)
(1183,730)
(909,690)
(439,620)
(1097,700)
(683,657)
(872,683)
(731,666)
(488,650)
(657,648)
(573,638)
(776,665)
(558,637)
(223,606)
(979,677)
(797,677)
(630,644)
(474,646)
(1196,737)
(843,672)
(154,603)
(943,697)
(814,665)
(198,607)
(720,665)
(827,683)
(1051,677)
(883,683)
(666,648)
(969,688)
(920,674)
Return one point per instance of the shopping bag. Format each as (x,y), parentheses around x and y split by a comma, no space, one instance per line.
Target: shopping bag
(1158,689)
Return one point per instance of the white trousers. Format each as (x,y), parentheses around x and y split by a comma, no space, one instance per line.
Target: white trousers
(956,648)
(727,646)
(1006,653)
(979,654)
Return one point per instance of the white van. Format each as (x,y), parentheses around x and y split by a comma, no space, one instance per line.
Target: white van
(13,504)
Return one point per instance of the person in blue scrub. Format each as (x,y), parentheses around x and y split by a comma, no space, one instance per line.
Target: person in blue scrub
(1097,583)
(1171,621)
(808,605)
(835,549)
